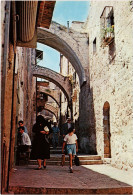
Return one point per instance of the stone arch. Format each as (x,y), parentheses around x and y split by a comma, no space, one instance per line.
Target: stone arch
(66,43)
(51,109)
(62,82)
(49,92)
(106,129)
(52,113)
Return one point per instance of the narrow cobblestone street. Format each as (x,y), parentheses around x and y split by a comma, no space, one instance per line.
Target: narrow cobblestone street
(66,97)
(87,179)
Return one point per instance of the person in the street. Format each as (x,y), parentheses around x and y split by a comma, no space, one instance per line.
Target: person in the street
(55,131)
(21,124)
(66,126)
(70,140)
(41,146)
(64,132)
(24,144)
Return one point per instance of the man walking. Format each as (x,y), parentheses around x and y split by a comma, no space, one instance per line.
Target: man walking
(55,131)
(66,126)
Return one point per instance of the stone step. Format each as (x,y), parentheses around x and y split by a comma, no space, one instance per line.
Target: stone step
(49,162)
(58,163)
(107,161)
(89,157)
(55,159)
(69,190)
(55,151)
(81,157)
(91,162)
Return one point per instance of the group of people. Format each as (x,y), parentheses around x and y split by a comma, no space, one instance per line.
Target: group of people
(41,142)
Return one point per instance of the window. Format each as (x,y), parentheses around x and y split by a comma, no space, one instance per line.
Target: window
(107,25)
(94,46)
(74,78)
(39,54)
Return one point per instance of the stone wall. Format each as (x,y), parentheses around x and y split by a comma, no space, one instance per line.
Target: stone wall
(111,80)
(26,88)
(68,70)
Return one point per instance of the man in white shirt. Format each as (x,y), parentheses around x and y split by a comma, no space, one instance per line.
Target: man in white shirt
(25,139)
(24,145)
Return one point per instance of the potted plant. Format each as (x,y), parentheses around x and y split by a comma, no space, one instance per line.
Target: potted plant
(108,31)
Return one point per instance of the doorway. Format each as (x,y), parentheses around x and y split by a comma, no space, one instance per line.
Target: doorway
(106,129)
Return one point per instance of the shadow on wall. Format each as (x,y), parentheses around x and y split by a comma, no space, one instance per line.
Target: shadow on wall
(86,129)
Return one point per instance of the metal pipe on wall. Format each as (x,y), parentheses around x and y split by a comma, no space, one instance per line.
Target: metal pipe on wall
(4,68)
(12,107)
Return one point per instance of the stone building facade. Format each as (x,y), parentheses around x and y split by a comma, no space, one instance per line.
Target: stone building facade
(66,69)
(105,100)
(110,75)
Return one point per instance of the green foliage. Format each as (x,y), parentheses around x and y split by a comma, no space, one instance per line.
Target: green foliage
(106,30)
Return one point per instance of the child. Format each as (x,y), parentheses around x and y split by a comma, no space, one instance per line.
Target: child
(72,146)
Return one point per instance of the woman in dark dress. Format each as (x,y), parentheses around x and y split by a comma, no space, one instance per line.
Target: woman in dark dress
(40,147)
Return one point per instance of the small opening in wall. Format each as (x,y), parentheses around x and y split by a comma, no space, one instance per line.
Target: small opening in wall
(94,46)
(88,41)
(112,52)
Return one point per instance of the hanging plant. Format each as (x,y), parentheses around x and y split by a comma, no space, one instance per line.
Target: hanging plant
(107,31)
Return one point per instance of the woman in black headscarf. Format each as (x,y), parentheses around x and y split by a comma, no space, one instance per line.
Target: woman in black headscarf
(41,147)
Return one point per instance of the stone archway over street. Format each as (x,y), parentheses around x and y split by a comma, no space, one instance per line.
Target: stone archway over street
(69,44)
(50,92)
(62,82)
(51,109)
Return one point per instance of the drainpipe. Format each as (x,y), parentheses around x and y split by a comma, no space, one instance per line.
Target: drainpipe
(5,55)
(12,108)
(71,103)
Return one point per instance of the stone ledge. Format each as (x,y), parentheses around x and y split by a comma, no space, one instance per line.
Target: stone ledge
(31,190)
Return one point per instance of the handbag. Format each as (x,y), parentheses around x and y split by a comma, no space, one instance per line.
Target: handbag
(76,160)
(63,160)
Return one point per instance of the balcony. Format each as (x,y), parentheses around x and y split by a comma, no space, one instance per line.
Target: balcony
(107,35)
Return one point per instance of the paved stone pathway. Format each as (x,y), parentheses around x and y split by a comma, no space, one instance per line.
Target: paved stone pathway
(87,179)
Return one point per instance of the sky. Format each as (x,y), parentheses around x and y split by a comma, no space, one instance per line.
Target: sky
(64,11)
